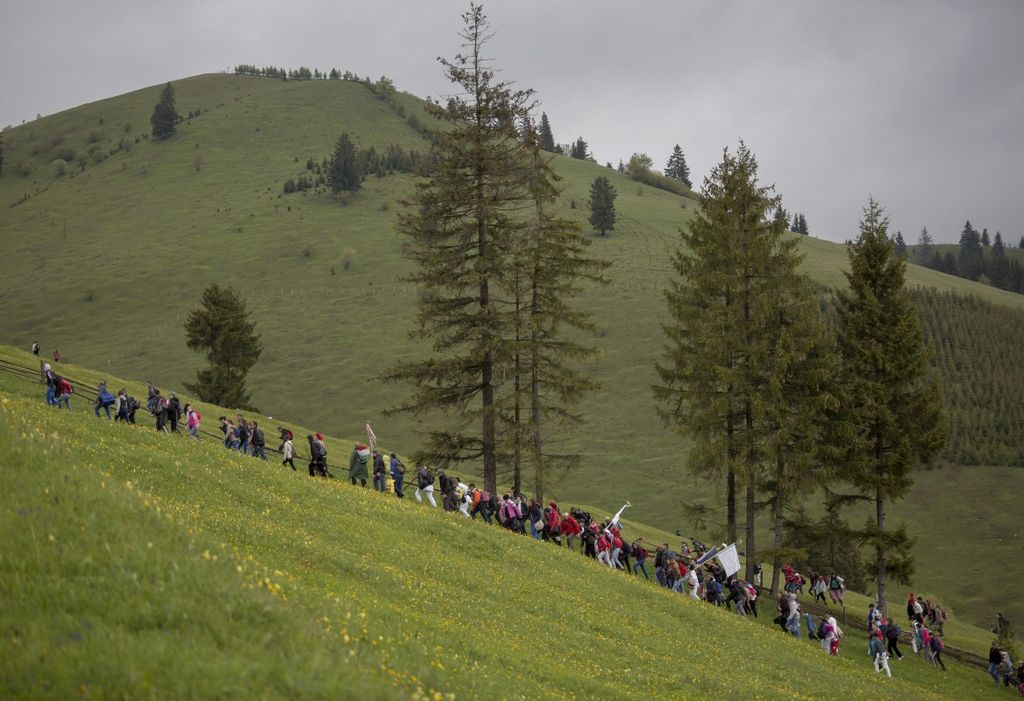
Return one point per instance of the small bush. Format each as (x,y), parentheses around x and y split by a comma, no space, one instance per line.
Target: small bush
(127,127)
(99,157)
(64,153)
(95,136)
(24,169)
(58,168)
(289,186)
(93,148)
(82,159)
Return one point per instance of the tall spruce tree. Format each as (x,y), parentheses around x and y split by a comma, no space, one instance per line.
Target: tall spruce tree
(549,263)
(985,241)
(899,247)
(923,252)
(676,167)
(580,149)
(999,267)
(893,402)
(602,205)
(970,260)
(781,215)
(221,329)
(344,172)
(165,116)
(459,224)
(733,273)
(547,137)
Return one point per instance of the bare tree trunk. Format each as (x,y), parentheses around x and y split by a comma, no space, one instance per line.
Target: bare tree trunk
(880,551)
(777,503)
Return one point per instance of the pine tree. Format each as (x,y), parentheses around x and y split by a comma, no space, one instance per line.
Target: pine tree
(899,245)
(602,205)
(970,261)
(985,241)
(580,150)
(548,265)
(1021,244)
(676,167)
(1,154)
(729,344)
(547,137)
(165,117)
(221,329)
(803,226)
(893,401)
(999,268)
(344,173)
(923,253)
(460,223)
(781,215)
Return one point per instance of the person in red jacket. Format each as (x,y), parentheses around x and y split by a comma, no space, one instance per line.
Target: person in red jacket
(554,524)
(603,549)
(570,529)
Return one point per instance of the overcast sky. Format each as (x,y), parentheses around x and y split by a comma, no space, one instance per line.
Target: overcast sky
(918,103)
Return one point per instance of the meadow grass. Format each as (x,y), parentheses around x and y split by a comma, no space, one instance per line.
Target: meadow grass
(140,564)
(105,266)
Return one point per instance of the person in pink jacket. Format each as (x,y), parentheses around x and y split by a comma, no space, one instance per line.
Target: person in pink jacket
(192,419)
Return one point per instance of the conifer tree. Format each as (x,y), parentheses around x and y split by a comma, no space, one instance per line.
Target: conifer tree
(970,261)
(893,402)
(165,117)
(676,167)
(602,205)
(459,224)
(344,173)
(221,329)
(781,215)
(580,150)
(1021,244)
(899,247)
(1,154)
(735,272)
(802,224)
(923,253)
(547,137)
(985,240)
(999,268)
(548,264)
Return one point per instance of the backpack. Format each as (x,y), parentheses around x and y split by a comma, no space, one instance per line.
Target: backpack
(132,404)
(821,630)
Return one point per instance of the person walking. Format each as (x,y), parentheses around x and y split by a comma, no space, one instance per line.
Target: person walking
(64,392)
(317,456)
(994,658)
(288,452)
(380,473)
(56,356)
(258,442)
(892,632)
(173,412)
(35,348)
(104,400)
(357,464)
(937,648)
(571,530)
(397,475)
(121,406)
(51,384)
(424,484)
(192,418)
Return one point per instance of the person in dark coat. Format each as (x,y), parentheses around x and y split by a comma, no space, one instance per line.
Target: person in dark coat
(357,464)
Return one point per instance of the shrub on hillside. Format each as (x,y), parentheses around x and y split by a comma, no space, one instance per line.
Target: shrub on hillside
(24,169)
(58,168)
(64,153)
(94,136)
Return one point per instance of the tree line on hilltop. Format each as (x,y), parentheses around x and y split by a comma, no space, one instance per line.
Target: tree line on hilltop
(978,258)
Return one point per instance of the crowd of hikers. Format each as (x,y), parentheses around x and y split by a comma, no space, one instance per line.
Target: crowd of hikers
(690,569)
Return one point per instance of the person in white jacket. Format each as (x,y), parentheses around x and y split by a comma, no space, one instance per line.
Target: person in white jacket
(288,452)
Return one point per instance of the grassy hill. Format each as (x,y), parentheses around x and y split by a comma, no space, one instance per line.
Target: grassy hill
(139,564)
(104,264)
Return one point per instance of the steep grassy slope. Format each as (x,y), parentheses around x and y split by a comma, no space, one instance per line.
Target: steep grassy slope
(106,264)
(145,565)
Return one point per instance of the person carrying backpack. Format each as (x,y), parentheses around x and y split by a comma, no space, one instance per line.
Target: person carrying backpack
(424,484)
(397,475)
(357,463)
(104,400)
(317,457)
(258,441)
(64,392)
(937,648)
(173,412)
(892,632)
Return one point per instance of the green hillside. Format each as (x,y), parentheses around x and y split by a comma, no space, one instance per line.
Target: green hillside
(139,564)
(104,263)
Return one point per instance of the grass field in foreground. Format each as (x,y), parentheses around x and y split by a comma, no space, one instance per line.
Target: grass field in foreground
(150,566)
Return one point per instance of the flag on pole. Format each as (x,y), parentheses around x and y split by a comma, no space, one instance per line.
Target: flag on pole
(614,523)
(730,560)
(371,437)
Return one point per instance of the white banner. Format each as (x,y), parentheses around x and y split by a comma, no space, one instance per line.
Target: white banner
(730,560)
